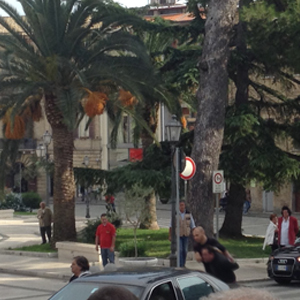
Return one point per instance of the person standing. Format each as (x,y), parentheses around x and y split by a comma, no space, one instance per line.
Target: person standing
(44,214)
(218,264)
(186,224)
(247,204)
(271,237)
(112,292)
(106,237)
(80,267)
(110,200)
(287,228)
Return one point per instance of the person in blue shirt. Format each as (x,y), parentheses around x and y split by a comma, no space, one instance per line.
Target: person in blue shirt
(186,224)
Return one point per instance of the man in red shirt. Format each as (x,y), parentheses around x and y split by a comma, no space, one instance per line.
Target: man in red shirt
(106,237)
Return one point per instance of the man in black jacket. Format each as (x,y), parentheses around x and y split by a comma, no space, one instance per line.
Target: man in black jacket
(218,265)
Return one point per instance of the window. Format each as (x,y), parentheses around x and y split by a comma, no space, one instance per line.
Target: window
(163,291)
(194,288)
(82,133)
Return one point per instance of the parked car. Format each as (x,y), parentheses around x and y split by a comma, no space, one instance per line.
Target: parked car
(284,264)
(147,284)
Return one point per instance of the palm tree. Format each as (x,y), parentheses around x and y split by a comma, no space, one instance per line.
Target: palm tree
(69,50)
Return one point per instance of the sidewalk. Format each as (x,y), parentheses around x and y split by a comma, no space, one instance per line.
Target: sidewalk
(21,231)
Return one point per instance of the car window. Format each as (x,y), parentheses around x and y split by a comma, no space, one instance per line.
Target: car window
(194,288)
(163,291)
(82,290)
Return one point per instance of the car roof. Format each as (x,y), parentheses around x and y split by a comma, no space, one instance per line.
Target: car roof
(139,276)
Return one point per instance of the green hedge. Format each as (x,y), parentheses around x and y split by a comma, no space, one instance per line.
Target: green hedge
(128,250)
(31,200)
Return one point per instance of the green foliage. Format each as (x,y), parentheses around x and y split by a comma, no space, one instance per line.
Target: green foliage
(87,235)
(13,201)
(250,151)
(153,171)
(31,200)
(128,249)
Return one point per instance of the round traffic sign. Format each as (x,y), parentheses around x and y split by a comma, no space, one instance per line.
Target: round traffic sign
(218,178)
(189,170)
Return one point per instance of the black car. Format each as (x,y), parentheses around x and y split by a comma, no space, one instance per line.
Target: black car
(284,264)
(147,284)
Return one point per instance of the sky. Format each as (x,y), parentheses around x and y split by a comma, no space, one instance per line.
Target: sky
(125,3)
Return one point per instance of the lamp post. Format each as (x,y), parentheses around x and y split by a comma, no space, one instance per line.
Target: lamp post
(86,162)
(173,130)
(42,152)
(47,140)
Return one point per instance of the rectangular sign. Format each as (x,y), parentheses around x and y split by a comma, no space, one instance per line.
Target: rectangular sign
(218,182)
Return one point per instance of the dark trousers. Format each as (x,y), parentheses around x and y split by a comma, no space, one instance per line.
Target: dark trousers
(46,230)
(107,255)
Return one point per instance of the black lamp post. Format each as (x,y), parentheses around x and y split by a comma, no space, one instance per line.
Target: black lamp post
(47,140)
(173,129)
(86,162)
(42,152)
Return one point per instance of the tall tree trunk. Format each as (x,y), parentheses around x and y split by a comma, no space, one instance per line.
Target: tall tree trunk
(233,220)
(151,221)
(64,185)
(212,98)
(234,211)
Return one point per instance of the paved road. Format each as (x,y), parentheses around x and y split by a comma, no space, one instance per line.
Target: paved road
(281,292)
(15,287)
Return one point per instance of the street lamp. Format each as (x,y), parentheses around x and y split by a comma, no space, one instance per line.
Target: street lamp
(86,162)
(42,152)
(47,140)
(173,129)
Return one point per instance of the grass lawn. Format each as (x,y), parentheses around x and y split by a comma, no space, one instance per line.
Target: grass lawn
(158,244)
(24,213)
(248,247)
(37,248)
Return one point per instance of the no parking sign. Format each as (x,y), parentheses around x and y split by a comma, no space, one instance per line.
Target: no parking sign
(189,170)
(218,182)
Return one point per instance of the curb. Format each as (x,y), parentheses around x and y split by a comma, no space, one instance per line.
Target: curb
(40,274)
(30,254)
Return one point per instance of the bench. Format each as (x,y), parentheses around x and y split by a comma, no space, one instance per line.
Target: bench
(68,250)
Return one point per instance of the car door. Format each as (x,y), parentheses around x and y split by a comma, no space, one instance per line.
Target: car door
(194,287)
(163,291)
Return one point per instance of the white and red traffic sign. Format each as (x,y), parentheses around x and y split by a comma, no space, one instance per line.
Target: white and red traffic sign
(189,170)
(218,182)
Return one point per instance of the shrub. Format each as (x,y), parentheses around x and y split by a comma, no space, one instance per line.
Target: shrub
(87,235)
(128,249)
(13,201)
(31,200)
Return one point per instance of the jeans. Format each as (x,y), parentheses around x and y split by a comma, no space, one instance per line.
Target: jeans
(247,206)
(184,241)
(44,230)
(106,255)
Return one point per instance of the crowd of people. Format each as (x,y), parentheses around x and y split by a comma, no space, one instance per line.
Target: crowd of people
(281,232)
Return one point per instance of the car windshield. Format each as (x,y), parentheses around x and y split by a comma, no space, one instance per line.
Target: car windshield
(82,290)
